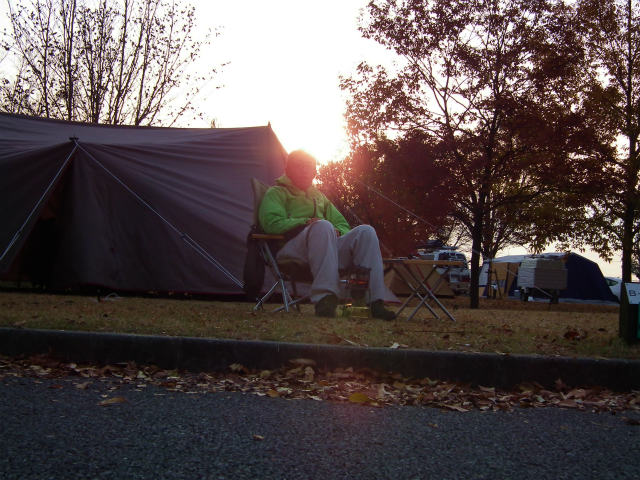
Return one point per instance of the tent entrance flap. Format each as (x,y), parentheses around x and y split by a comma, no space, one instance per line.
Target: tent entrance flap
(40,202)
(184,236)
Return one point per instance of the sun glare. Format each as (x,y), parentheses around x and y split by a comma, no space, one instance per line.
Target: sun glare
(323,138)
(284,68)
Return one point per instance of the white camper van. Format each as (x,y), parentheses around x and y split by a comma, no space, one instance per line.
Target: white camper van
(459,278)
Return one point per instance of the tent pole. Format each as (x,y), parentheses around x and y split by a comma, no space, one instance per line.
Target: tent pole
(44,195)
(185,237)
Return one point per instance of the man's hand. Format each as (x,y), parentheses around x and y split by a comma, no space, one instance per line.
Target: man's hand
(315,219)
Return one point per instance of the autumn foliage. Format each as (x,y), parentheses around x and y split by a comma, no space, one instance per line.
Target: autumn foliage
(395,187)
(487,99)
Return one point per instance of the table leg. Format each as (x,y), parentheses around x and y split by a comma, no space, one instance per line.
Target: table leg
(429,294)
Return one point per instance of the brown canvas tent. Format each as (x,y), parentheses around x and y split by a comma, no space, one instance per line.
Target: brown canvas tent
(501,277)
(129,208)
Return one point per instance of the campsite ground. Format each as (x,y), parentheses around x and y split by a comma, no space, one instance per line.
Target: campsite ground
(505,326)
(501,325)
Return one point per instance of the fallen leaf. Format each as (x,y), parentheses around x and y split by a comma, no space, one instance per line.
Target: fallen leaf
(237,367)
(112,401)
(294,372)
(457,408)
(575,334)
(303,362)
(39,370)
(346,340)
(577,393)
(428,381)
(560,385)
(309,374)
(568,404)
(382,391)
(359,397)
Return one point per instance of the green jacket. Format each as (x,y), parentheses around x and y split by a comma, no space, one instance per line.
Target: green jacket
(285,207)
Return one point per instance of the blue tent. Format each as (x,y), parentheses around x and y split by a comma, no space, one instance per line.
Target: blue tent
(585,280)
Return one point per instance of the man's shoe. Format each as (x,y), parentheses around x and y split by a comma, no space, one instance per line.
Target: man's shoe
(378,311)
(326,306)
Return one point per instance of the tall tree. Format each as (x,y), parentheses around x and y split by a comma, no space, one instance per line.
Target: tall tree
(612,29)
(393,186)
(102,61)
(492,81)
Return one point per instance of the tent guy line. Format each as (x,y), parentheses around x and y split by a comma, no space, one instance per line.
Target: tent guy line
(184,236)
(44,195)
(406,210)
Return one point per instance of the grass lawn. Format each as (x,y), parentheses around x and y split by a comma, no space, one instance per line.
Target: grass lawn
(505,326)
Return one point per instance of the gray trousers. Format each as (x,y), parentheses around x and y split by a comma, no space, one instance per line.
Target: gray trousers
(319,246)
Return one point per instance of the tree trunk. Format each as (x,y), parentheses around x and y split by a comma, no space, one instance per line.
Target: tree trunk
(476,248)
(474,287)
(627,241)
(630,210)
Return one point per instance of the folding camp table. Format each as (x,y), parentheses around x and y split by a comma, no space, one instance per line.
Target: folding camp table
(415,273)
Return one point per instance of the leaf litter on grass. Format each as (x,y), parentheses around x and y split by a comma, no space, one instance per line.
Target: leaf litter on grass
(505,326)
(302,379)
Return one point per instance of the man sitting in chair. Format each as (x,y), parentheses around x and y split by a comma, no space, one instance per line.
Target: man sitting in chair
(317,234)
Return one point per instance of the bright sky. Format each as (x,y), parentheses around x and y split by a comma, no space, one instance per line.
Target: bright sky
(286,57)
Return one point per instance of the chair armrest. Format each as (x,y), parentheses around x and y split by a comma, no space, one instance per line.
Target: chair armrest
(266,236)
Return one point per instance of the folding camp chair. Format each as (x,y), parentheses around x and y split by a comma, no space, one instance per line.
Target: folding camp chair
(283,272)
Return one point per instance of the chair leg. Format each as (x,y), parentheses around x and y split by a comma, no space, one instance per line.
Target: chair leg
(295,294)
(288,300)
(266,297)
(293,303)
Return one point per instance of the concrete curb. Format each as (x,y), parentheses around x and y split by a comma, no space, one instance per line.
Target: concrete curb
(202,354)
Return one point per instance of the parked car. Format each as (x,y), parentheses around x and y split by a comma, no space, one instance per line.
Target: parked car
(614,284)
(459,278)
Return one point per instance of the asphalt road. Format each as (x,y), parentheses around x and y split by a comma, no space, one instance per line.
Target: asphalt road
(53,430)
